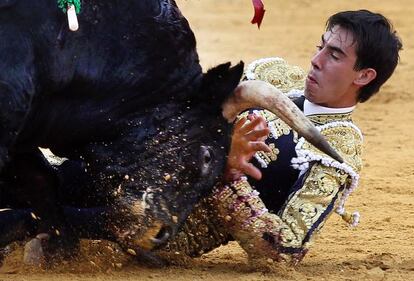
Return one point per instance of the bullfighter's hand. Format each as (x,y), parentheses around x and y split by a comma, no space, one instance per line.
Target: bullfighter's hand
(247,139)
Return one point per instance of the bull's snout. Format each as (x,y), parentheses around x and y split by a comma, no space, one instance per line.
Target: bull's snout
(144,226)
(154,237)
(163,235)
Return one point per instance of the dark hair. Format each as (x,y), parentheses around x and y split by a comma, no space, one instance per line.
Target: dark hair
(377,45)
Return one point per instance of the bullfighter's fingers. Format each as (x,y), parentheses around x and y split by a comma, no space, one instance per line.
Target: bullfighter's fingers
(259,146)
(260,134)
(256,123)
(239,123)
(251,170)
(258,118)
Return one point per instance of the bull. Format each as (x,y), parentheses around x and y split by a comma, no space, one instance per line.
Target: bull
(126,96)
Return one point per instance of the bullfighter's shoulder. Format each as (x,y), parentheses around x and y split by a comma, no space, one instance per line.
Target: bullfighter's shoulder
(344,136)
(277,72)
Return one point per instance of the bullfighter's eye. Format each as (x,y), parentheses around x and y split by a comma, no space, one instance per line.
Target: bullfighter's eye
(206,159)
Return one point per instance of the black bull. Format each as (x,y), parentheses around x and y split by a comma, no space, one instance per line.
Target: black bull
(126,97)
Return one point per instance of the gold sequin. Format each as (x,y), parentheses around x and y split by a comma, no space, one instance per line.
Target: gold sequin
(271,156)
(321,119)
(308,204)
(281,75)
(279,127)
(347,142)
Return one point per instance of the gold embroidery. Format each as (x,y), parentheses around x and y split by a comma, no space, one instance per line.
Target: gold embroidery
(274,152)
(268,157)
(295,137)
(309,203)
(247,219)
(280,128)
(346,140)
(244,114)
(321,119)
(202,232)
(267,115)
(280,74)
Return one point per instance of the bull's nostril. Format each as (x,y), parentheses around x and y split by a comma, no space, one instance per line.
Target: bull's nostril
(163,235)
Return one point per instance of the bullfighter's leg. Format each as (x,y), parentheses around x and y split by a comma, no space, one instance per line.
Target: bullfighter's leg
(17,86)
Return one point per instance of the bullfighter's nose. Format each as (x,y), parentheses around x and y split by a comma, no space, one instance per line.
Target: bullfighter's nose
(162,237)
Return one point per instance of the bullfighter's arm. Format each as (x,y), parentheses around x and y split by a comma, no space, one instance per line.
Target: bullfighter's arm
(286,236)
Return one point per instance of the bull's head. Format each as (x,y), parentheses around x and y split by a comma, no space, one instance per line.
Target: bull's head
(172,157)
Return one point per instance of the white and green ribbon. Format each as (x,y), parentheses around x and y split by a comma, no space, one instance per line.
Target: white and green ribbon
(63,5)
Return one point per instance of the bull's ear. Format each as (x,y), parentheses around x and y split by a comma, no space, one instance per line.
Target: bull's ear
(220,81)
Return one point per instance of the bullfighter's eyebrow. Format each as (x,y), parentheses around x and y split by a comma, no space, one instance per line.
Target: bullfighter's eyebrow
(333,48)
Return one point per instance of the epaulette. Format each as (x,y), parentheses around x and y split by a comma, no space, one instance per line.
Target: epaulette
(277,72)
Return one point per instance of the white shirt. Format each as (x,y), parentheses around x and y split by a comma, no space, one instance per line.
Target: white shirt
(310,108)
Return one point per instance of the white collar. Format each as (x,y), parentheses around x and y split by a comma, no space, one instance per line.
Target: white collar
(310,108)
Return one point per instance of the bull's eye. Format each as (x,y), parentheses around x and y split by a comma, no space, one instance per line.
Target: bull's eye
(206,159)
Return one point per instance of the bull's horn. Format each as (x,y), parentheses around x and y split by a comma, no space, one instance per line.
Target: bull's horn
(253,94)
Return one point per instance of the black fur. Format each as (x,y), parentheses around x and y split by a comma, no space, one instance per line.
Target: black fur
(124,95)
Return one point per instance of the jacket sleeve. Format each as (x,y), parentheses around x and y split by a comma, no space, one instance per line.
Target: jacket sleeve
(285,236)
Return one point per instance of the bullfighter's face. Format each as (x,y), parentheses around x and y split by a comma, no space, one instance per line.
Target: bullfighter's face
(333,80)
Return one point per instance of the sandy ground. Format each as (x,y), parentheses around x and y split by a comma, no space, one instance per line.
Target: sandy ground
(381,248)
